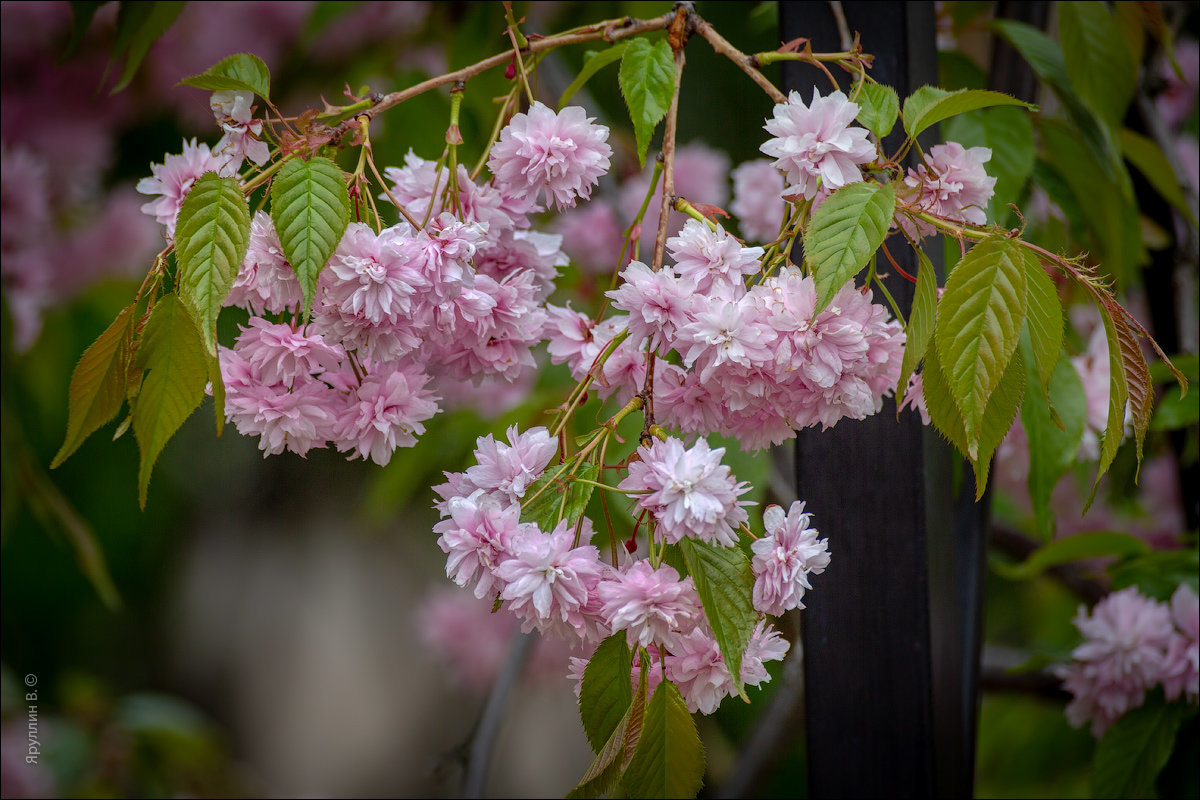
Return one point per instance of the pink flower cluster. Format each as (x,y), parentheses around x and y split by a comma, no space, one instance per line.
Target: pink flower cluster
(814,144)
(556,582)
(784,558)
(951,183)
(1132,644)
(757,363)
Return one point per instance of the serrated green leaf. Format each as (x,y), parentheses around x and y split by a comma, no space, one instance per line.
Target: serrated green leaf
(929,105)
(1134,750)
(607,690)
(97,384)
(1143,153)
(211,237)
(139,25)
(978,328)
(1158,573)
(1043,318)
(176,369)
(240,72)
(669,760)
(647,80)
(1008,133)
(604,773)
(1097,58)
(920,322)
(1095,544)
(552,497)
(82,13)
(1118,396)
(997,419)
(310,207)
(1137,377)
(724,582)
(591,66)
(878,108)
(845,232)
(1052,449)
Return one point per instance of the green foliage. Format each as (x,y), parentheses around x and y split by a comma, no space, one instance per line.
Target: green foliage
(171,353)
(1149,159)
(929,105)
(878,108)
(1158,573)
(1043,319)
(1096,544)
(1053,432)
(607,690)
(845,232)
(211,237)
(723,581)
(555,497)
(1097,58)
(978,327)
(594,62)
(98,384)
(138,26)
(669,759)
(647,80)
(920,321)
(1134,750)
(606,769)
(240,72)
(310,206)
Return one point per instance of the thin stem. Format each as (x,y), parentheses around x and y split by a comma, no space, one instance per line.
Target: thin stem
(668,155)
(747,64)
(483,741)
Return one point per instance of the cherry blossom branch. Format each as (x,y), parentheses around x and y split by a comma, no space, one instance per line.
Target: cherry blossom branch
(748,64)
(668,161)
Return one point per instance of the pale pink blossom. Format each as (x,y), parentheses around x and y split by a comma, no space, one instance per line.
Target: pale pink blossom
(386,411)
(1123,655)
(266,281)
(510,468)
(1181,671)
(173,179)
(295,418)
(657,302)
(242,139)
(281,353)
(689,491)
(784,558)
(814,144)
(712,258)
(546,580)
(651,605)
(373,276)
(476,538)
(696,666)
(952,183)
(562,154)
(758,200)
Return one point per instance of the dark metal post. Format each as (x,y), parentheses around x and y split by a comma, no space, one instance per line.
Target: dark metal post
(891,638)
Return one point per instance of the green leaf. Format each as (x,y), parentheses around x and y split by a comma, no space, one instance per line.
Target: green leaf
(978,328)
(1175,410)
(997,418)
(1008,133)
(596,62)
(211,237)
(607,691)
(82,14)
(1134,750)
(172,355)
(920,322)
(551,498)
(1097,57)
(606,768)
(139,25)
(647,81)
(930,105)
(1044,318)
(724,582)
(311,209)
(1144,154)
(1158,574)
(98,384)
(669,760)
(1079,547)
(845,232)
(1040,50)
(878,108)
(1118,395)
(240,72)
(1052,449)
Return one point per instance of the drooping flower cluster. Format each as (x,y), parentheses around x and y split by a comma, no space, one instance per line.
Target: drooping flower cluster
(555,581)
(952,183)
(1132,644)
(784,558)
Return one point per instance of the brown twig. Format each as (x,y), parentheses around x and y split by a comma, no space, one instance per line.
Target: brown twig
(668,157)
(745,62)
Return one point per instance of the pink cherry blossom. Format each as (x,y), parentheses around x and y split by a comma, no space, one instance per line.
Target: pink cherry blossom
(547,581)
(757,200)
(265,282)
(372,276)
(1181,672)
(712,258)
(814,144)
(385,412)
(952,183)
(510,468)
(651,605)
(657,302)
(784,558)
(476,538)
(174,177)
(281,354)
(562,153)
(234,113)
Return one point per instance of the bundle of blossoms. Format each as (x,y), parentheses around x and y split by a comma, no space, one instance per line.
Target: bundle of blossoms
(359,328)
